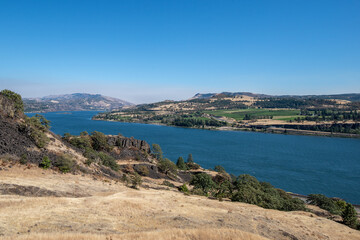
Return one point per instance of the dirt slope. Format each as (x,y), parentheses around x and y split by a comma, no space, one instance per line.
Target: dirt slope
(101,208)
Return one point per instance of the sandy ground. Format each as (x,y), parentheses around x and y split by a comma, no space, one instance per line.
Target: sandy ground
(111,209)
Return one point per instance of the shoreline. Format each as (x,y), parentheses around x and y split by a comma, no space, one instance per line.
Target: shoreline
(270,129)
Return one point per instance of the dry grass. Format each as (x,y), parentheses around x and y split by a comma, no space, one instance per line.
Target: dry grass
(113,210)
(169,234)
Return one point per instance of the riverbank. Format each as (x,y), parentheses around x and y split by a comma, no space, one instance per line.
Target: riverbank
(253,128)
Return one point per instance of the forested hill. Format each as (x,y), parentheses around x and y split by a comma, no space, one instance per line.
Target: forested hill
(73,102)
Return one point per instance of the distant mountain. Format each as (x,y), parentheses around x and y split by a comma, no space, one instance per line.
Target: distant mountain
(73,102)
(228,94)
(353,97)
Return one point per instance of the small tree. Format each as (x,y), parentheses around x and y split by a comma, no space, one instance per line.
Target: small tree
(203,181)
(135,180)
(181,164)
(349,216)
(16,98)
(190,158)
(158,153)
(166,166)
(45,163)
(99,142)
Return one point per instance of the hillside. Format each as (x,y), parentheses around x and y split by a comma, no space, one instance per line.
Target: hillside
(326,115)
(73,102)
(97,186)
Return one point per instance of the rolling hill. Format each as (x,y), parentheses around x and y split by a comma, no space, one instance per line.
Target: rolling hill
(73,102)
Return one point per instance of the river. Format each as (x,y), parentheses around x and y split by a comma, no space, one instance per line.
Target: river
(300,164)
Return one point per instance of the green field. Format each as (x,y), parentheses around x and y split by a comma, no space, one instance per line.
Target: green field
(239,114)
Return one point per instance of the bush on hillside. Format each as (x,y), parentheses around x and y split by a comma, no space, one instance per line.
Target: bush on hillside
(64,163)
(45,163)
(325,203)
(249,190)
(203,182)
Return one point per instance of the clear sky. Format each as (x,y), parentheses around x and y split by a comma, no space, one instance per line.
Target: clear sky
(146,51)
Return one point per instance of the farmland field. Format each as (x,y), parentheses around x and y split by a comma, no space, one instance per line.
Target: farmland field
(239,114)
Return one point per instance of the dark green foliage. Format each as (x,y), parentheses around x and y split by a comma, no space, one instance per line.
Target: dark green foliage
(349,216)
(108,161)
(157,151)
(249,190)
(135,180)
(36,126)
(203,182)
(166,166)
(23,159)
(42,120)
(15,98)
(82,142)
(181,164)
(45,163)
(196,122)
(192,166)
(219,168)
(64,163)
(99,141)
(325,203)
(183,188)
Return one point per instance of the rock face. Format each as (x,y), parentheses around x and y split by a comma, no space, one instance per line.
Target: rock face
(124,142)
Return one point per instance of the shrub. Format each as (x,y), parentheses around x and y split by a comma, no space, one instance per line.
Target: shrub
(82,142)
(108,161)
(190,158)
(64,163)
(135,180)
(36,127)
(181,164)
(15,98)
(192,165)
(325,203)
(99,141)
(158,153)
(183,188)
(23,159)
(45,163)
(249,190)
(349,216)
(166,166)
(203,181)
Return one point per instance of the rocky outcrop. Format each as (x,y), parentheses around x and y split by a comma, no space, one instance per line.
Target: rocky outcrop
(124,142)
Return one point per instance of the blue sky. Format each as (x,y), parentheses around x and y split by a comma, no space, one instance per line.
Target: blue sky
(146,51)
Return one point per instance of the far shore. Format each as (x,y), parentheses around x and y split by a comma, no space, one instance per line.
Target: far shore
(274,130)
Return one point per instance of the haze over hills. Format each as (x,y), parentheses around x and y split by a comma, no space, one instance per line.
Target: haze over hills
(73,102)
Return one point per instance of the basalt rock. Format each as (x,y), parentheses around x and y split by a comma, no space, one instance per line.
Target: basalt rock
(124,142)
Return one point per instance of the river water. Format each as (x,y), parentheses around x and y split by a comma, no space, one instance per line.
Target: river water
(300,164)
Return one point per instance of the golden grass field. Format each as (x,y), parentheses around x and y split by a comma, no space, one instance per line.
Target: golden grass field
(110,210)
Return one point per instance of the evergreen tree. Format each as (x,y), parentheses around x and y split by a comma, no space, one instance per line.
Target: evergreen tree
(190,158)
(349,216)
(157,151)
(181,164)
